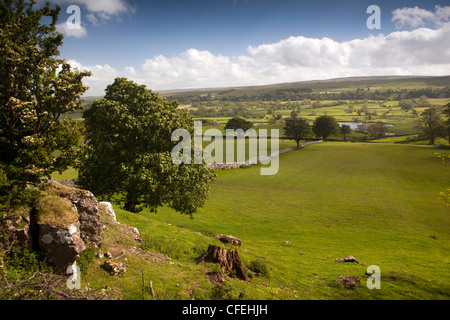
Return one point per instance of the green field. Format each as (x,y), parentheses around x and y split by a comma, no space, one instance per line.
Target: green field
(377,202)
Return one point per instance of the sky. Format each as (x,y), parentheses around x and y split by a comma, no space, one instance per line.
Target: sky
(185,44)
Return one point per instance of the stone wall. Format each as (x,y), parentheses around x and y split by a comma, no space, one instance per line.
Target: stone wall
(235,165)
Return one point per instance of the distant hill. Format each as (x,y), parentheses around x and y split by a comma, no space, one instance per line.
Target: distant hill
(330,85)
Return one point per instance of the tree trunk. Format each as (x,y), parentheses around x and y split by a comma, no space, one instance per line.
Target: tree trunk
(432,140)
(130,205)
(228,260)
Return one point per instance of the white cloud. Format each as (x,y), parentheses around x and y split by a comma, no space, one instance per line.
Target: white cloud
(417,17)
(96,12)
(71,31)
(107,7)
(423,51)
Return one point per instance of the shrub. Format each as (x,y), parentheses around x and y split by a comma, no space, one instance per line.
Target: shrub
(86,258)
(259,266)
(21,264)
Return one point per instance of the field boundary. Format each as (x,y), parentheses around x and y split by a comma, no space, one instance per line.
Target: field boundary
(256,160)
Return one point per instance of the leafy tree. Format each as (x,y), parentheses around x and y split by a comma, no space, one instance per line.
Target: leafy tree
(377,130)
(128,154)
(362,128)
(407,105)
(446,112)
(294,114)
(325,126)
(238,123)
(345,129)
(297,129)
(430,124)
(36,88)
(351,108)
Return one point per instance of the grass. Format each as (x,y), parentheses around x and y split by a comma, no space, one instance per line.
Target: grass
(377,202)
(69,174)
(55,211)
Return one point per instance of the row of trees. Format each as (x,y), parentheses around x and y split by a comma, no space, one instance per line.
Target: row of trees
(307,93)
(298,129)
(432,123)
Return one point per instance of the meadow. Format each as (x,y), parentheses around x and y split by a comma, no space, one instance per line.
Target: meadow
(377,202)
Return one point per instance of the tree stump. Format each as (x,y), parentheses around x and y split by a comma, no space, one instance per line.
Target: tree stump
(228,260)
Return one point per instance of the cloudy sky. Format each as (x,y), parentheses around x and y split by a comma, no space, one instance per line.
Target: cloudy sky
(180,44)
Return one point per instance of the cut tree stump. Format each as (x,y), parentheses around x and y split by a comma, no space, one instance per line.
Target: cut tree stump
(228,260)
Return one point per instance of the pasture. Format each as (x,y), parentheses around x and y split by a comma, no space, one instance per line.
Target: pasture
(377,202)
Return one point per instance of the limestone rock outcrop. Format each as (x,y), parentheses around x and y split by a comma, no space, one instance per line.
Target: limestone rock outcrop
(62,245)
(18,230)
(61,224)
(87,206)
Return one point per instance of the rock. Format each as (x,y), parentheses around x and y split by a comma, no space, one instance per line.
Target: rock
(347,259)
(350,282)
(62,245)
(287,242)
(228,239)
(18,230)
(87,206)
(107,208)
(114,267)
(135,231)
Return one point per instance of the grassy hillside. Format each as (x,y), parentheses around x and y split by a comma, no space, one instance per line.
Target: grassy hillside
(377,202)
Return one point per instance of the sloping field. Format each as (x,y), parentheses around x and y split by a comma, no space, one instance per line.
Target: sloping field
(377,202)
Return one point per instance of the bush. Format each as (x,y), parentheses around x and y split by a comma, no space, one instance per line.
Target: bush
(21,264)
(85,259)
(259,266)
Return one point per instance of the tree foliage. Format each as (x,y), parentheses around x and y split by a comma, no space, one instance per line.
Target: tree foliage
(36,88)
(345,130)
(128,152)
(430,124)
(446,112)
(238,123)
(325,126)
(297,129)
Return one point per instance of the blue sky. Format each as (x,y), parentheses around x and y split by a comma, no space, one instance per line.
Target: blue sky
(206,43)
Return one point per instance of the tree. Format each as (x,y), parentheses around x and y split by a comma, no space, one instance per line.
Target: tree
(278,116)
(297,129)
(128,154)
(431,125)
(36,88)
(345,129)
(294,114)
(446,112)
(362,128)
(324,126)
(351,108)
(238,123)
(377,130)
